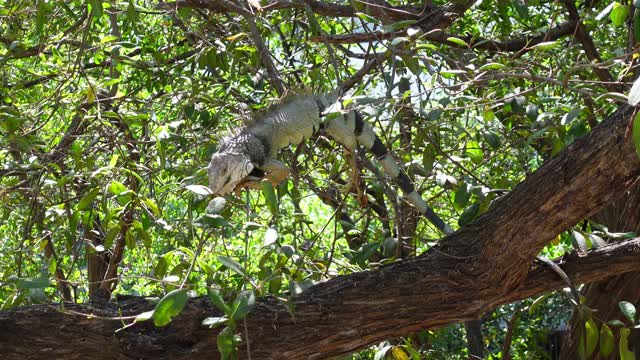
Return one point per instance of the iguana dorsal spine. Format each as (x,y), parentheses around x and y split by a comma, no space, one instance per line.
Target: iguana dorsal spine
(252,151)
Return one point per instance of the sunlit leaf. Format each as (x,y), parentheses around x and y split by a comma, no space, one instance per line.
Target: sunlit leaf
(623,345)
(214,321)
(87,200)
(270,236)
(628,310)
(547,45)
(231,264)
(216,298)
(636,133)
(491,66)
(243,304)
(458,41)
(606,340)
(216,205)
(618,14)
(199,190)
(270,196)
(170,305)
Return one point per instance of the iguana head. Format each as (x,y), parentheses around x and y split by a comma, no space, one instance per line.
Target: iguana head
(226,170)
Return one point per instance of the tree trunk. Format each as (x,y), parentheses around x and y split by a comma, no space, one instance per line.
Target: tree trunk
(623,215)
(483,265)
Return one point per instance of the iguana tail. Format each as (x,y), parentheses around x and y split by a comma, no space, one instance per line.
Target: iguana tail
(351,130)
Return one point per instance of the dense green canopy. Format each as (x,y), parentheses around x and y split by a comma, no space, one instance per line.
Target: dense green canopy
(110,111)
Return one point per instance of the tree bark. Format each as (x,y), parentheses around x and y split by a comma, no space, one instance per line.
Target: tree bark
(81,331)
(622,215)
(483,265)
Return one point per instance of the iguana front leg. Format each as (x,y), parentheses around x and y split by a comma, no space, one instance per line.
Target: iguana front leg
(274,170)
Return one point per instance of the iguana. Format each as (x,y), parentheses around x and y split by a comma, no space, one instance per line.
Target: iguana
(244,159)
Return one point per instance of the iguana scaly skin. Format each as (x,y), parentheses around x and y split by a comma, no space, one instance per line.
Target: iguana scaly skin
(250,155)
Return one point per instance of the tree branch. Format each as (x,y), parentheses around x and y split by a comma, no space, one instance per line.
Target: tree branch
(589,47)
(87,331)
(441,37)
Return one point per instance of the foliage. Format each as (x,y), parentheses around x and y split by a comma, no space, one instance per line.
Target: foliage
(109,112)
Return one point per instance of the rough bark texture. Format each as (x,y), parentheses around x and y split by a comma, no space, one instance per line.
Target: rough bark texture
(483,265)
(622,215)
(82,331)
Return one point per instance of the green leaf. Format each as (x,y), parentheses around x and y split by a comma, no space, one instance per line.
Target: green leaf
(232,265)
(618,14)
(492,139)
(488,115)
(628,310)
(379,355)
(144,316)
(288,250)
(457,41)
(462,197)
(270,196)
(216,298)
(87,200)
(606,341)
(111,234)
(613,96)
(169,306)
(521,8)
(367,18)
(491,66)
(545,45)
(616,323)
(250,226)
(636,133)
(365,252)
(211,221)
(152,206)
(623,345)
(397,25)
(591,337)
(40,17)
(634,93)
(117,188)
(215,321)
(199,190)
(579,242)
(474,151)
(468,214)
(399,40)
(142,234)
(398,354)
(270,237)
(243,304)
(226,343)
(95,7)
(216,205)
(108,38)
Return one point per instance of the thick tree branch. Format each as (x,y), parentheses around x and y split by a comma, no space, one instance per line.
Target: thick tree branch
(70,333)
